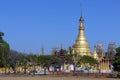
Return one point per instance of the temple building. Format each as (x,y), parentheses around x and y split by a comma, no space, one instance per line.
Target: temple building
(111,50)
(81,46)
(100,51)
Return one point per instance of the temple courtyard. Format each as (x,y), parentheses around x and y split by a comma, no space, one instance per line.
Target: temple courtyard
(52,78)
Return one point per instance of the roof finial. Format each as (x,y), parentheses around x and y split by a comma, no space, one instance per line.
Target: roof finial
(42,49)
(81,7)
(81,19)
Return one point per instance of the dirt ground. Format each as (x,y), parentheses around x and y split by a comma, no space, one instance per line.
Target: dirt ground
(52,78)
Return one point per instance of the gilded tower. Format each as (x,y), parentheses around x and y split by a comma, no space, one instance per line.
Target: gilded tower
(81,46)
(95,55)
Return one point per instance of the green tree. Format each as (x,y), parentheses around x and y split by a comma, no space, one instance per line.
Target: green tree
(118,50)
(116,61)
(47,60)
(88,60)
(4,51)
(14,59)
(76,58)
(1,34)
(32,60)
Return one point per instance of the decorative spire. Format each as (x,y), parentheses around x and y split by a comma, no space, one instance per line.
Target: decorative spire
(95,55)
(81,18)
(81,26)
(42,51)
(68,50)
(61,46)
(81,7)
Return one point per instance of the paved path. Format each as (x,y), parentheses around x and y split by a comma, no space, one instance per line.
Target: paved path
(51,78)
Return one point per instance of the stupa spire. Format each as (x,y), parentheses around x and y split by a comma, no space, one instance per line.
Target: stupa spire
(81,26)
(81,7)
(81,46)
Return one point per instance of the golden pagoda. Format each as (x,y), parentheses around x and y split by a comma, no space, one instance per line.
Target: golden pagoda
(81,46)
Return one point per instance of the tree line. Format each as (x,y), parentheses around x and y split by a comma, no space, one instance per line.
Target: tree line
(13,59)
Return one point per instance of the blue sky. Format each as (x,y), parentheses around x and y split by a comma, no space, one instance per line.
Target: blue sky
(30,24)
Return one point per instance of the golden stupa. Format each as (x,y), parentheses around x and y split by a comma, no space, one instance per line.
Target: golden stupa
(81,46)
